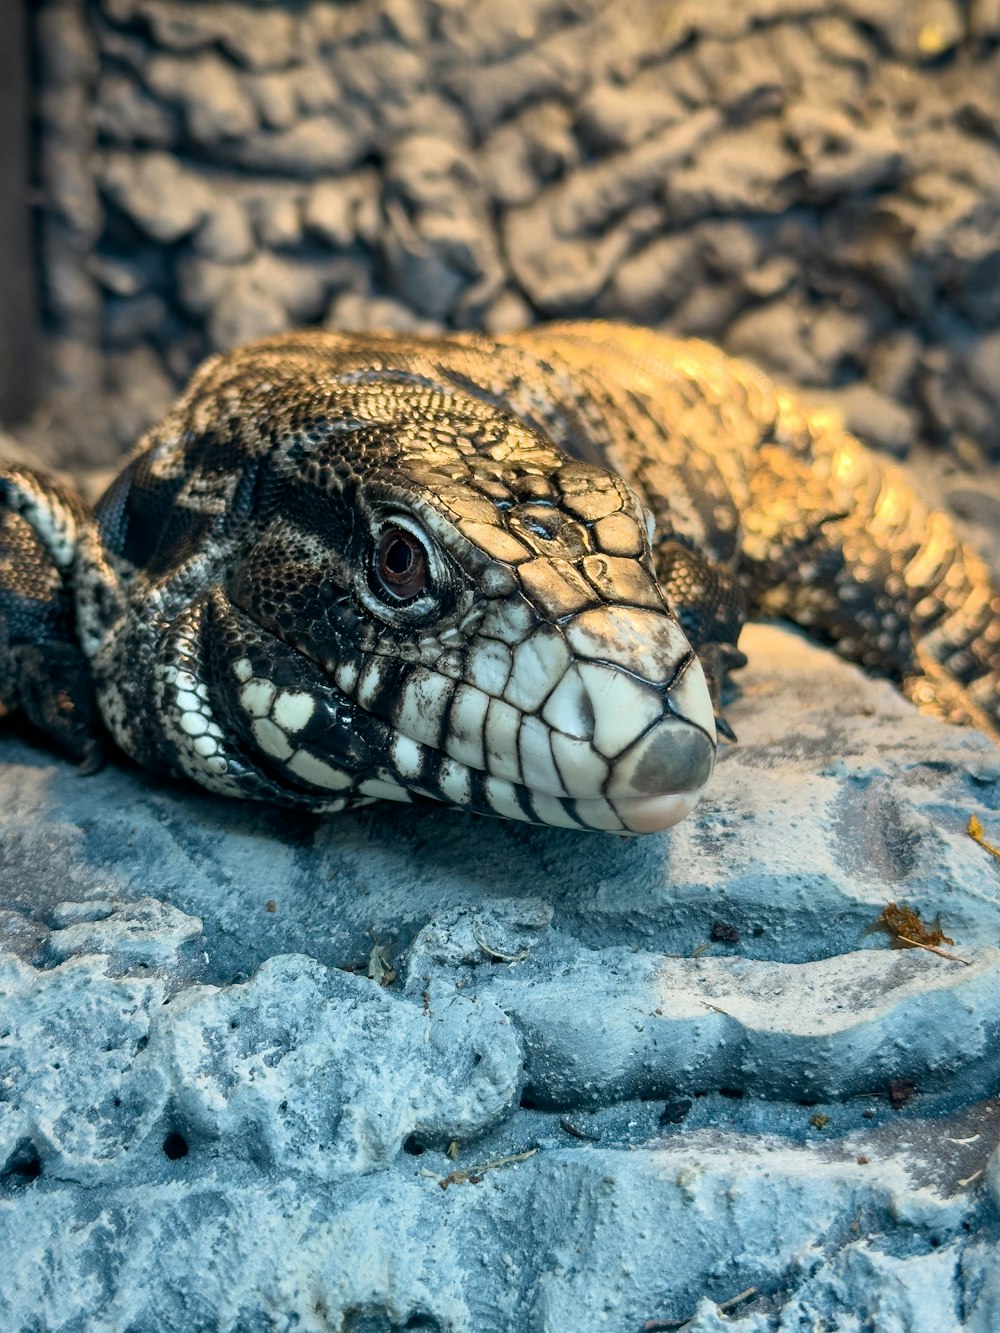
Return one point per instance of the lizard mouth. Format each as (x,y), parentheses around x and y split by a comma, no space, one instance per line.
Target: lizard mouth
(646,814)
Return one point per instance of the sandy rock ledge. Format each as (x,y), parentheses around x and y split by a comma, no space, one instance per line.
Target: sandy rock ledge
(708,1072)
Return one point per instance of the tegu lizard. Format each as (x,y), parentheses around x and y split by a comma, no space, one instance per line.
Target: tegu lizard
(507,574)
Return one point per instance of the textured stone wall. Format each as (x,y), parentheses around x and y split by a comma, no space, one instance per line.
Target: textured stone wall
(814,184)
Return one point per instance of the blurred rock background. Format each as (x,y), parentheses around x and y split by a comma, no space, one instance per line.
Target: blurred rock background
(814,184)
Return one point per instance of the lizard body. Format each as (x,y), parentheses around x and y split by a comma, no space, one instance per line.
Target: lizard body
(507,574)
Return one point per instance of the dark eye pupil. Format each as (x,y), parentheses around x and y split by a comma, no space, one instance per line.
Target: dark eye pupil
(398,557)
(401,564)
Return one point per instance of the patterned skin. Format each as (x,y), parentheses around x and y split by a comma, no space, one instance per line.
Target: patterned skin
(508,575)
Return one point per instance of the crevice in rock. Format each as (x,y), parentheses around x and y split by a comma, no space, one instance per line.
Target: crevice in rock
(22,1167)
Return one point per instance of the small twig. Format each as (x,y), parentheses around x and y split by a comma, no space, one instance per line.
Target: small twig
(717,1010)
(932,948)
(975,832)
(495,954)
(662,1325)
(733,1301)
(570,1128)
(475,1173)
(975,1176)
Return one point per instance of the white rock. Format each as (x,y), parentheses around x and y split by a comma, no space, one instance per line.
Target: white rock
(580,968)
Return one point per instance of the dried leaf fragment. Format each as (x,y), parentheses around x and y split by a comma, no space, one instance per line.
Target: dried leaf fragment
(900,1091)
(975,832)
(909,932)
(380,967)
(905,926)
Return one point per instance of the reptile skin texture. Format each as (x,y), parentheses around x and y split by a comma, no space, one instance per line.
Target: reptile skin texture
(505,574)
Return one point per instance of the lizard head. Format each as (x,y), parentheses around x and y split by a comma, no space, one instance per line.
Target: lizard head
(486,610)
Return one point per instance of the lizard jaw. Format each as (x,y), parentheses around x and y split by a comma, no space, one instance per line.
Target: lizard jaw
(651,814)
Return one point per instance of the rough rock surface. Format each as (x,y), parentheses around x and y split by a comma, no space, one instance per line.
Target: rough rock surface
(812,184)
(406,1069)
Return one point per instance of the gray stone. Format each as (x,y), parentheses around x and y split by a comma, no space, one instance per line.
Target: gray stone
(775,336)
(555,246)
(559,276)
(140,391)
(921,31)
(74,197)
(654,281)
(141,935)
(509,311)
(707,308)
(731,247)
(121,277)
(278,219)
(597,195)
(552,146)
(436,238)
(744,78)
(344,209)
(984,19)
(875,417)
(746,170)
(893,364)
(266,295)
(245,311)
(983,366)
(844,42)
(385,81)
(163,199)
(428,112)
(871,129)
(226,234)
(66,44)
(524,153)
(508,170)
(838,340)
(554,68)
(215,104)
(957,405)
(260,37)
(357,312)
(267,38)
(331,143)
(131,318)
(274,96)
(612,117)
(126,114)
(196,1061)
(842,156)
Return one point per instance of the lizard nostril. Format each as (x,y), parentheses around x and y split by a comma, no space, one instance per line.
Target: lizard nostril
(673,759)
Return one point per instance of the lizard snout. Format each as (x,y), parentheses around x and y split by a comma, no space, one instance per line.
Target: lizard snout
(630,722)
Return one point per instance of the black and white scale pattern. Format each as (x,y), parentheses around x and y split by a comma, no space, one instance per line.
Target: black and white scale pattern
(506,574)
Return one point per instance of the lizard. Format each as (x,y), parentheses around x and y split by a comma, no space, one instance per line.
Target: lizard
(503,573)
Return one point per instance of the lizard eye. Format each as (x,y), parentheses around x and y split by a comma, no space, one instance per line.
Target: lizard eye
(400,565)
